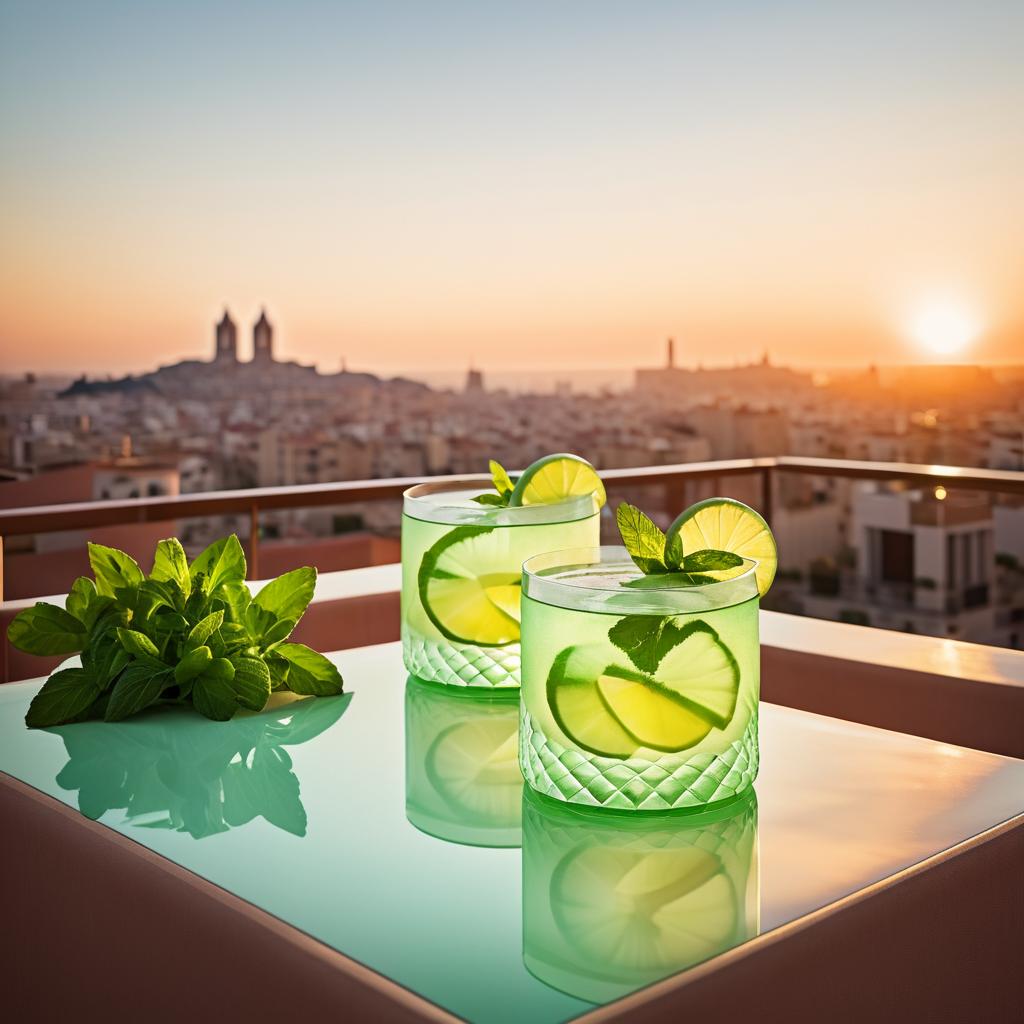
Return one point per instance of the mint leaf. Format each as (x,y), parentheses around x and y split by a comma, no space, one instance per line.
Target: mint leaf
(490,499)
(502,481)
(222,562)
(710,559)
(288,595)
(674,550)
(170,563)
(643,538)
(46,629)
(236,598)
(63,696)
(138,687)
(86,605)
(193,664)
(214,697)
(309,671)
(251,683)
(204,629)
(113,569)
(137,643)
(644,639)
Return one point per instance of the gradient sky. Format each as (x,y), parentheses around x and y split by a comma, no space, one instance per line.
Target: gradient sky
(419,184)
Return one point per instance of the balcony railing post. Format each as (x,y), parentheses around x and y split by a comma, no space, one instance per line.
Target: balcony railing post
(766,494)
(1,567)
(254,542)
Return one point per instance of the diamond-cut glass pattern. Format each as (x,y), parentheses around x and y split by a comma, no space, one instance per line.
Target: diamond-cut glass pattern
(491,667)
(672,781)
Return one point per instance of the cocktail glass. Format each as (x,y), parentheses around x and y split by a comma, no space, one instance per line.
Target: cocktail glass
(461,574)
(613,901)
(639,692)
(462,779)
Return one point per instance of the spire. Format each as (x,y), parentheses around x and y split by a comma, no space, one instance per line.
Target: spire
(671,358)
(262,339)
(225,349)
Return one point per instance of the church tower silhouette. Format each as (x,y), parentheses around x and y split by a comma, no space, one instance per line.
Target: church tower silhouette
(262,340)
(226,345)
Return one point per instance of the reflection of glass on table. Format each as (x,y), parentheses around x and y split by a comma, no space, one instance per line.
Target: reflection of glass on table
(613,902)
(462,780)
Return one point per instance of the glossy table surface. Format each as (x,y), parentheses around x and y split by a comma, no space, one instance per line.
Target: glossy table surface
(304,811)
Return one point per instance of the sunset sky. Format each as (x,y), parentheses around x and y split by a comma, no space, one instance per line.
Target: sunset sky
(523,184)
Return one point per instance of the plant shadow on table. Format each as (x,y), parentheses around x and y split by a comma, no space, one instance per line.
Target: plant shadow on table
(172,769)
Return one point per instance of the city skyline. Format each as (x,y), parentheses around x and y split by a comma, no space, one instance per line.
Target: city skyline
(408,187)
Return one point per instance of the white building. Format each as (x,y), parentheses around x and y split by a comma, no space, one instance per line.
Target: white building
(924,563)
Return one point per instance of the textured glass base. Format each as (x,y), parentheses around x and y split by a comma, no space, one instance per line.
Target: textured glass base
(440,662)
(672,781)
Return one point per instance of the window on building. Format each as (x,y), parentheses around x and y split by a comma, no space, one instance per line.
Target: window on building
(897,550)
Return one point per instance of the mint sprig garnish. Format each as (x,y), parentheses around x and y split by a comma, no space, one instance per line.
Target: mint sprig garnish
(654,556)
(644,539)
(503,484)
(185,634)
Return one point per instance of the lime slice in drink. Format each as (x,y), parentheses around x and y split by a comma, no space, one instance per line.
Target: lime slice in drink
(702,671)
(577,707)
(649,712)
(728,525)
(466,587)
(557,478)
(474,766)
(640,912)
(614,711)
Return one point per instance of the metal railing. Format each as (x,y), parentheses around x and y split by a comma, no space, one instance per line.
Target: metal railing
(253,502)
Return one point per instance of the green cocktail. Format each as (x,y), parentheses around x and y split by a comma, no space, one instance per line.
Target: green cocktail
(639,692)
(614,902)
(462,779)
(461,574)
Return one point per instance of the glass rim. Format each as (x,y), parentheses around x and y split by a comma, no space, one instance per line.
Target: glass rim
(416,504)
(541,582)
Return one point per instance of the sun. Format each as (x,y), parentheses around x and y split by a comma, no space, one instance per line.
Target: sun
(944,327)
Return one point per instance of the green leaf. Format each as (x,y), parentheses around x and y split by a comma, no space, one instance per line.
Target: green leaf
(63,696)
(665,581)
(214,697)
(644,639)
(502,481)
(138,687)
(47,629)
(137,643)
(89,607)
(644,539)
(251,683)
(490,499)
(236,598)
(105,659)
(258,622)
(278,667)
(220,670)
(113,569)
(674,550)
(310,672)
(193,664)
(170,563)
(205,628)
(222,562)
(287,596)
(710,559)
(280,630)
